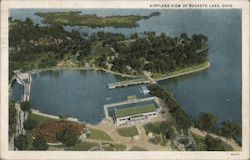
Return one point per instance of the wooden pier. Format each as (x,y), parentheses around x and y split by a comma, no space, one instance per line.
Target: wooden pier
(146,80)
(127,83)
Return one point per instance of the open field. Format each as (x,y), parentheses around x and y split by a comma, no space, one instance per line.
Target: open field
(40,119)
(99,135)
(127,131)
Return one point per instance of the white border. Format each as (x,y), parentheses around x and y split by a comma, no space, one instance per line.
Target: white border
(5,154)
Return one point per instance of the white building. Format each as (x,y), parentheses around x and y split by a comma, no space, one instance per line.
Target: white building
(132,115)
(144,90)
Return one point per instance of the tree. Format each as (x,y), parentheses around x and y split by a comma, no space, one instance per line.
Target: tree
(207,121)
(12,118)
(29,124)
(40,143)
(215,144)
(21,142)
(166,130)
(67,137)
(25,106)
(231,129)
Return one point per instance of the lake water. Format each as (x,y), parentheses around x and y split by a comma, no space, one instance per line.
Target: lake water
(217,90)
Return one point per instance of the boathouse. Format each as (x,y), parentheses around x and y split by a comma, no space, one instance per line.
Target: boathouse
(140,114)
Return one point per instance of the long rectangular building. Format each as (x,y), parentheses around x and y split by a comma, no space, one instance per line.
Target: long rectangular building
(134,115)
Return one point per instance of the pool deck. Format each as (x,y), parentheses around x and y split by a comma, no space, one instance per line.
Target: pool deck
(155,99)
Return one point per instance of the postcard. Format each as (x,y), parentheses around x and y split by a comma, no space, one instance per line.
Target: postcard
(124,79)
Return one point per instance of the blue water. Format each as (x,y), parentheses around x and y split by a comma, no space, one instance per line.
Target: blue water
(217,90)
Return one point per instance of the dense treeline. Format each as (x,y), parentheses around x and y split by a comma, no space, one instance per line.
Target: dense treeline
(182,120)
(160,53)
(33,46)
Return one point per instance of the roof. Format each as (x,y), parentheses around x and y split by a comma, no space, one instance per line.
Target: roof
(134,110)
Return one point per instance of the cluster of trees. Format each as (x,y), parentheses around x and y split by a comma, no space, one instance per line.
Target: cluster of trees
(25,106)
(228,129)
(107,38)
(67,137)
(215,144)
(182,120)
(160,53)
(163,129)
(21,141)
(29,42)
(39,143)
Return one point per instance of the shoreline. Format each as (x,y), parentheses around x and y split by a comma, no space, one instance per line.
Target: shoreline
(194,130)
(184,73)
(118,73)
(34,71)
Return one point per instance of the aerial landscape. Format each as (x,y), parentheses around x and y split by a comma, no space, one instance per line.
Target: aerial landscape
(125,80)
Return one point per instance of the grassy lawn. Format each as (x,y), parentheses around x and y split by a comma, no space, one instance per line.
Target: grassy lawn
(135,148)
(180,71)
(40,119)
(114,147)
(134,110)
(83,146)
(127,132)
(99,135)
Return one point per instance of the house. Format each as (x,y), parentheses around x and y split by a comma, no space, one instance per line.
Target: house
(132,115)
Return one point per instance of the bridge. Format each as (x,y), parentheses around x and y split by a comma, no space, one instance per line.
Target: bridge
(146,80)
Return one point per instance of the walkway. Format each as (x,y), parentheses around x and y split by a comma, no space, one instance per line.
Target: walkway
(230,142)
(108,127)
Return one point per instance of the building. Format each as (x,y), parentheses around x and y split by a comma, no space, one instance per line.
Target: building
(144,90)
(132,115)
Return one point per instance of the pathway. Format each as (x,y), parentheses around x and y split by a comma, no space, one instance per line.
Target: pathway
(108,127)
(230,142)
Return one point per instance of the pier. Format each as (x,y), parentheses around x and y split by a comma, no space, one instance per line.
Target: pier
(127,83)
(146,80)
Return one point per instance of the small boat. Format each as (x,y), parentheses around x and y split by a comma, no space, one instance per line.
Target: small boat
(108,98)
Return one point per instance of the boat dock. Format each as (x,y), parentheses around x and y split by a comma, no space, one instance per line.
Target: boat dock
(146,80)
(127,83)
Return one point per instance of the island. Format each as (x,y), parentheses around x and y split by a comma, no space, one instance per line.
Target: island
(92,20)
